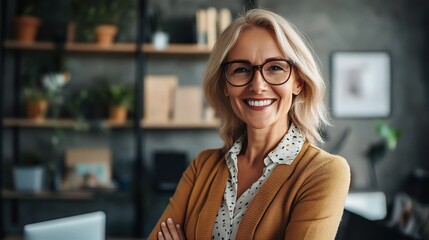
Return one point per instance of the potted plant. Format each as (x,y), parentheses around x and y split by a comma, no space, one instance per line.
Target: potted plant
(120,98)
(388,139)
(160,38)
(102,16)
(36,103)
(27,21)
(28,173)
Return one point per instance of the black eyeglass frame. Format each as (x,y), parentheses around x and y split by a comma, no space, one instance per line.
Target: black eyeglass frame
(259,67)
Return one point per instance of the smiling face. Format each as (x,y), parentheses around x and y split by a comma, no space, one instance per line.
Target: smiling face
(259,104)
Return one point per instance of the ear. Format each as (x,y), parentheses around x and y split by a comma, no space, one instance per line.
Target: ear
(225,91)
(298,86)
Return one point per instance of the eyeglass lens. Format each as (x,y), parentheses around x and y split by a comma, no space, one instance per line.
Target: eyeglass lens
(275,72)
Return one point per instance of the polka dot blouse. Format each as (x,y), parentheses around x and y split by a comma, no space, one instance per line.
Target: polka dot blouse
(232,210)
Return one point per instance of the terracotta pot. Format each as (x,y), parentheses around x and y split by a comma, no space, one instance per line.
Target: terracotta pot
(105,34)
(37,110)
(118,114)
(26,28)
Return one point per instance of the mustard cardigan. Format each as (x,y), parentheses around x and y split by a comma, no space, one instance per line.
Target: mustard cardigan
(304,200)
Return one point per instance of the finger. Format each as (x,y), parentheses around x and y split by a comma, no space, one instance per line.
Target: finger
(160,236)
(180,231)
(173,229)
(165,231)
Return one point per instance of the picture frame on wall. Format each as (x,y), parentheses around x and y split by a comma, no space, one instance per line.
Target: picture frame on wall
(361,84)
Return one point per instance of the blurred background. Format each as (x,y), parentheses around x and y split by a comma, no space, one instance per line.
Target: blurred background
(96,121)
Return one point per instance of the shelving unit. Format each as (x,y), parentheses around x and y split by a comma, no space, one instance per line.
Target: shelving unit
(137,50)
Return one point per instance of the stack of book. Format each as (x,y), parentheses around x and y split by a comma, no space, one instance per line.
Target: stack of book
(210,23)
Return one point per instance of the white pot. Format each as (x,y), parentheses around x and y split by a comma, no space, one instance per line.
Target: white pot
(29,179)
(160,40)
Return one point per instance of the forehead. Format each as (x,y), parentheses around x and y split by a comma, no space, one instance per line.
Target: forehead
(255,44)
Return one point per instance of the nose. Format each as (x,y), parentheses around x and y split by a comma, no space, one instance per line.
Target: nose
(258,83)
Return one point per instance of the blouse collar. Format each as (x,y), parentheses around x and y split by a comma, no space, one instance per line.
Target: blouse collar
(284,153)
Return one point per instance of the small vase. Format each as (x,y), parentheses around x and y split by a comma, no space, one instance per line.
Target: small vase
(160,40)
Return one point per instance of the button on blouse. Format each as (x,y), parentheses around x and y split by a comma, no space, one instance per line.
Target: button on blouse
(232,210)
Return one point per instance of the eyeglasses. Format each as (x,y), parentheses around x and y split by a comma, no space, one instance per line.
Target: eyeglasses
(275,72)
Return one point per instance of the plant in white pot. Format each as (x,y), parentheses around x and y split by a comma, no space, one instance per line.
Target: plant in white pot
(160,38)
(28,173)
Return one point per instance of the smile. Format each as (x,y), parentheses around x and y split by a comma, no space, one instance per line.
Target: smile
(259,103)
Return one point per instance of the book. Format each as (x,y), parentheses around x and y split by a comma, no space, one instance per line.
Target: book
(201,20)
(211,26)
(224,18)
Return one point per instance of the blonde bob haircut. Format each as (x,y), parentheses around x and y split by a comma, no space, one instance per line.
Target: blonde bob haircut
(308,111)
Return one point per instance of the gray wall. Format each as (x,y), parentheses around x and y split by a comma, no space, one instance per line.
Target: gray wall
(397,27)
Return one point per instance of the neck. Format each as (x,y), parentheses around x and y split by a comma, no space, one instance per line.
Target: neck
(261,141)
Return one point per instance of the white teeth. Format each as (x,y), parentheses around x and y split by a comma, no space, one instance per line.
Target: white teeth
(259,103)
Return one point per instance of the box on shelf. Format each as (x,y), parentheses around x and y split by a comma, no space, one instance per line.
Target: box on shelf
(158,97)
(188,105)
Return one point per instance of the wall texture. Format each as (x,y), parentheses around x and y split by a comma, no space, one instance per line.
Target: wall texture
(398,27)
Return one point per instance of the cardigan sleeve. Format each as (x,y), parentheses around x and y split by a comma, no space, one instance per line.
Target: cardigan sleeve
(178,203)
(320,201)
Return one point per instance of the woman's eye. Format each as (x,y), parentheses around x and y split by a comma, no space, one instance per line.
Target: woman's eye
(241,70)
(275,68)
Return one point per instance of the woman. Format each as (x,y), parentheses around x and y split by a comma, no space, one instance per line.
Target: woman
(269,181)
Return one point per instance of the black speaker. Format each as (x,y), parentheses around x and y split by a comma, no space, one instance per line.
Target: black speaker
(168,169)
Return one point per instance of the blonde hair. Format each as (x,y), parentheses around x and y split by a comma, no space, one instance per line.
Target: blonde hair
(308,111)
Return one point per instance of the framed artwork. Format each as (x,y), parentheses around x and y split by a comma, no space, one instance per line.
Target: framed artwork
(87,168)
(361,84)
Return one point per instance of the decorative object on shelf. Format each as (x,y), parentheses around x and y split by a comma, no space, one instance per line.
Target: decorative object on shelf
(210,23)
(120,98)
(188,106)
(389,136)
(54,82)
(36,103)
(87,168)
(158,97)
(361,84)
(28,173)
(160,38)
(102,17)
(27,21)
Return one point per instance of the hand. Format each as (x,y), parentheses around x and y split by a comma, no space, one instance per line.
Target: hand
(171,231)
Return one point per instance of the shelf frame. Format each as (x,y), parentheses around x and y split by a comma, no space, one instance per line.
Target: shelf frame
(3,7)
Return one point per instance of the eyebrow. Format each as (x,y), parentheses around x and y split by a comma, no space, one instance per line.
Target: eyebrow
(266,60)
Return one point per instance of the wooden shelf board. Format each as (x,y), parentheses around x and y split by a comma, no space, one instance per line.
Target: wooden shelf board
(60,123)
(178,49)
(185,49)
(178,125)
(46,195)
(69,123)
